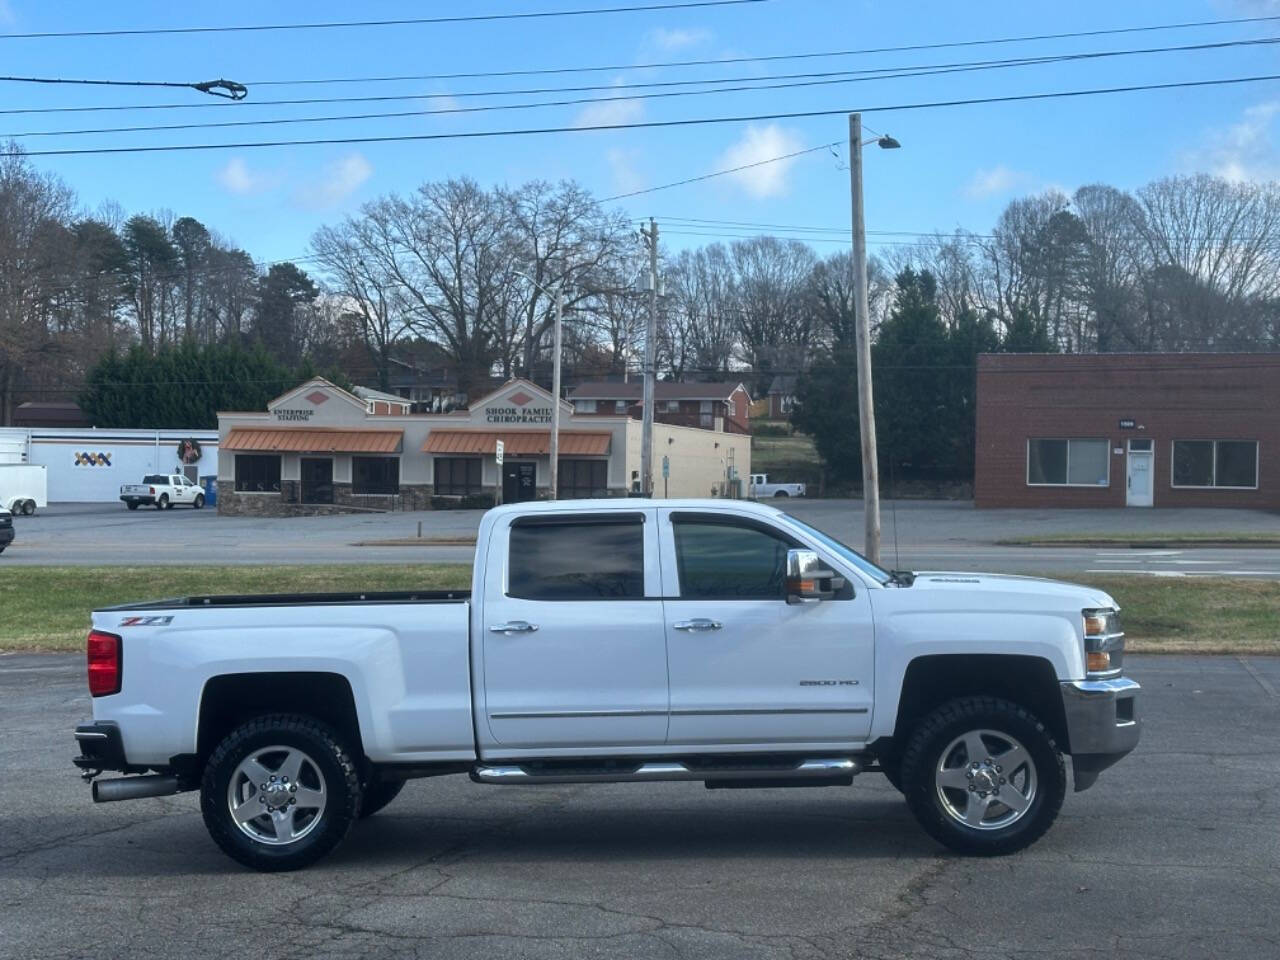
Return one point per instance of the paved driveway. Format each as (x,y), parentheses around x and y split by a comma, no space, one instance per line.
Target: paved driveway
(1174,854)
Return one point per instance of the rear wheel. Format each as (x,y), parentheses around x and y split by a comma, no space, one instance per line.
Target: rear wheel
(780,493)
(163,502)
(280,792)
(199,501)
(28,508)
(132,505)
(378,794)
(983,776)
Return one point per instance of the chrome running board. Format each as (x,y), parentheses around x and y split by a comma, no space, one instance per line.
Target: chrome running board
(782,773)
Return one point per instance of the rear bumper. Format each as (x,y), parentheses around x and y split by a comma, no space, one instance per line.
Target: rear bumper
(137,498)
(1103,724)
(101,748)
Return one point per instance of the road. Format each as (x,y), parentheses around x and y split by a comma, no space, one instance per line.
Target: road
(917,535)
(1174,854)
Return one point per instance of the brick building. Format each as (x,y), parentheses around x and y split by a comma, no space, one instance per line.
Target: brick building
(682,404)
(1139,430)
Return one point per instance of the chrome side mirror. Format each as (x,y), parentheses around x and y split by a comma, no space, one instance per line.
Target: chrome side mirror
(807,580)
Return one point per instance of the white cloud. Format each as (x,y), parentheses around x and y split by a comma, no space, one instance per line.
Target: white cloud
(996,181)
(338,181)
(609,113)
(6,13)
(237,177)
(759,144)
(1245,150)
(678,39)
(624,167)
(442,101)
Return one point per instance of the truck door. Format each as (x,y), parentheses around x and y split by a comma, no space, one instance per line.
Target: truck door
(746,667)
(574,651)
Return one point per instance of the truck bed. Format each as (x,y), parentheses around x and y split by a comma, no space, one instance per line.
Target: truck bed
(299,599)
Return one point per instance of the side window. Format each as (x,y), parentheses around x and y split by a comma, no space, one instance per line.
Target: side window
(582,560)
(721,561)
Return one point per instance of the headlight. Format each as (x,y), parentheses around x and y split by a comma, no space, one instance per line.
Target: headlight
(1103,643)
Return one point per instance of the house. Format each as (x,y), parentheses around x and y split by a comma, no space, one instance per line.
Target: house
(680,404)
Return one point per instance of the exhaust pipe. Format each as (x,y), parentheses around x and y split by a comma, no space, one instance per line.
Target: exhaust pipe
(133,788)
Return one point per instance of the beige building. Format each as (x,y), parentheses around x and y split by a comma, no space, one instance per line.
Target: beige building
(319,448)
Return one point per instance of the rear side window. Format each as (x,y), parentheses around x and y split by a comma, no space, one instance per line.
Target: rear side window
(155,478)
(587,560)
(721,561)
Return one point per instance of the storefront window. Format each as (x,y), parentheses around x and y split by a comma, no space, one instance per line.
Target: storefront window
(375,475)
(257,473)
(583,479)
(457,476)
(1215,463)
(1075,463)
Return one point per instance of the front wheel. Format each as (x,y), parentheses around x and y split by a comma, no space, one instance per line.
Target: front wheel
(983,776)
(199,501)
(280,792)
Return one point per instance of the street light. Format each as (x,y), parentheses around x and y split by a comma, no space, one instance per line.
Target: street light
(558,295)
(862,326)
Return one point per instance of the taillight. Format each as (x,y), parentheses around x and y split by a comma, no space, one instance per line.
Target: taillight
(104,663)
(153,490)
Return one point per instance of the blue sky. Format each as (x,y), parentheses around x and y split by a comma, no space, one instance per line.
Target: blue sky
(958,166)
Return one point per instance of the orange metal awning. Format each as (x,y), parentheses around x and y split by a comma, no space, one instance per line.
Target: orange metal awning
(313,440)
(517,443)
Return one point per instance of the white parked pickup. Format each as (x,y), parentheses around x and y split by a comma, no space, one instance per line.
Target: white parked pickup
(714,641)
(761,487)
(163,491)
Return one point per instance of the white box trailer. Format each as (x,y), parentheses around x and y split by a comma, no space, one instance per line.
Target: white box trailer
(24,488)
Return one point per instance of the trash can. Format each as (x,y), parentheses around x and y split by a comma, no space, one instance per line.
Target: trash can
(210,485)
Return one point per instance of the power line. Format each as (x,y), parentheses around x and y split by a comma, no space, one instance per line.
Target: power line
(720,173)
(822,78)
(656,124)
(227,89)
(772,58)
(406,22)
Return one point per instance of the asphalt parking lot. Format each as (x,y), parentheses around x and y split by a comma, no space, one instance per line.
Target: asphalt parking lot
(1174,854)
(920,535)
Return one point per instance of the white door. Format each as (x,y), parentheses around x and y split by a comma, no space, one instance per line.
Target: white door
(1139,490)
(747,667)
(573,636)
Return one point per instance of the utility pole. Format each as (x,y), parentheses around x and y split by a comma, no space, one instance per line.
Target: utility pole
(555,397)
(862,324)
(650,344)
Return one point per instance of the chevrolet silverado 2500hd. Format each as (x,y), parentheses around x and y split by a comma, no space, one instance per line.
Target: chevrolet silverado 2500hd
(607,641)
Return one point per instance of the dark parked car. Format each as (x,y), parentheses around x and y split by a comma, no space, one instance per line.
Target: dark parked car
(6,528)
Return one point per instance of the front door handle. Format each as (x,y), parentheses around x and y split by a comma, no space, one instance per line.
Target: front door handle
(515,626)
(697,625)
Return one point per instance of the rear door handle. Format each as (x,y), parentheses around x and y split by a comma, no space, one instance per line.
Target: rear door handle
(515,626)
(697,625)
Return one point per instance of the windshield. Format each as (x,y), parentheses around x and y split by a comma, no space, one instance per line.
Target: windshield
(845,552)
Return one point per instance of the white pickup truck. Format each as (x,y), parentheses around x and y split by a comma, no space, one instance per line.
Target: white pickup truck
(162,491)
(615,641)
(761,487)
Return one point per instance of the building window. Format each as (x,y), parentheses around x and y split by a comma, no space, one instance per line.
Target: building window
(704,406)
(672,406)
(545,560)
(1216,463)
(583,479)
(620,406)
(257,473)
(1068,463)
(585,406)
(375,475)
(457,476)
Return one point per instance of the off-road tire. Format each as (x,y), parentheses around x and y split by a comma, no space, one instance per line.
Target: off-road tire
(334,760)
(923,754)
(378,794)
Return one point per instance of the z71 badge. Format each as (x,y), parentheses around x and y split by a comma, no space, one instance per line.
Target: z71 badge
(146,621)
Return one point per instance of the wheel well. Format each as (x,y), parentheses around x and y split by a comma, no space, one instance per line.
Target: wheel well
(1029,682)
(233,698)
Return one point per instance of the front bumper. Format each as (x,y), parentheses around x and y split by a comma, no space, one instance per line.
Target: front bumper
(6,536)
(1103,724)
